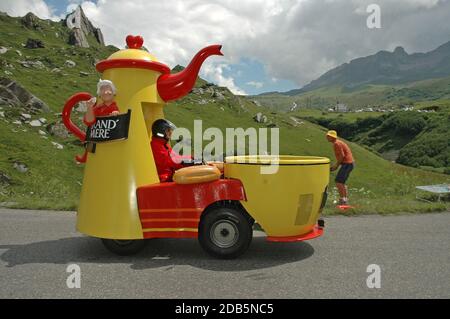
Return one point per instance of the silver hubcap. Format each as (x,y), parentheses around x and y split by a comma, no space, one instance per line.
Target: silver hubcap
(224,234)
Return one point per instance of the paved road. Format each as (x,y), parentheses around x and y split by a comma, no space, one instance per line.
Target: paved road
(413,252)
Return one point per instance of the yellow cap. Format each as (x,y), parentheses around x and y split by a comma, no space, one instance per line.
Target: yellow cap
(332,134)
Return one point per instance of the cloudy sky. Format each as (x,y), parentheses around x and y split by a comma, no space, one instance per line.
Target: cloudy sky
(269,45)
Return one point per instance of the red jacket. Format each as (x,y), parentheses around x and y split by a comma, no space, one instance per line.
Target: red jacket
(167,161)
(102,110)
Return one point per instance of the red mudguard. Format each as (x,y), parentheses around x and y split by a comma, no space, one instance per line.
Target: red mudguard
(170,210)
(314,233)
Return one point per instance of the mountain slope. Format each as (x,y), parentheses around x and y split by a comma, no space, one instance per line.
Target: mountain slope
(386,68)
(414,138)
(37,169)
(373,96)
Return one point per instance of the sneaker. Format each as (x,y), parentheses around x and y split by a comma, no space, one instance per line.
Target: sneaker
(343,202)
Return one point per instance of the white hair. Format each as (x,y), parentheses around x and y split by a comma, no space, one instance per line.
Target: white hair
(101,83)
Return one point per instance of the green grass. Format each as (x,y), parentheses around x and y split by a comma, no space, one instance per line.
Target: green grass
(376,185)
(427,91)
(412,138)
(53,180)
(349,116)
(437,105)
(52,88)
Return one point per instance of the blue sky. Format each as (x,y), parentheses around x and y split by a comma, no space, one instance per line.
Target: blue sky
(250,75)
(59,5)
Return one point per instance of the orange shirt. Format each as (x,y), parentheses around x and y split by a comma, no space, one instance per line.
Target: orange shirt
(342,152)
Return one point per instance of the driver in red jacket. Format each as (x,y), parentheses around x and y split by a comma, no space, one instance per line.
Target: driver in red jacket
(167,161)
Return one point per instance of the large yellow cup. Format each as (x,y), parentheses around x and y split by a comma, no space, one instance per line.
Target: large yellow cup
(285,198)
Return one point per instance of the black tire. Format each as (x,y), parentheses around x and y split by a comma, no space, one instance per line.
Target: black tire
(225,232)
(124,247)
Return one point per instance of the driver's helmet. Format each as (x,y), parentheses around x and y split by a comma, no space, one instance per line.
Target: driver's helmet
(160,126)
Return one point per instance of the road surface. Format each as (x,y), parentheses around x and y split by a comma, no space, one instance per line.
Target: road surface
(412,251)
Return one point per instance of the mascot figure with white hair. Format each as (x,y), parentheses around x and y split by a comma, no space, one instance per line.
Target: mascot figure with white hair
(106,90)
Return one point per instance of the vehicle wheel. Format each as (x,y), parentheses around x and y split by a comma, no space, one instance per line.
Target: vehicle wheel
(225,232)
(124,247)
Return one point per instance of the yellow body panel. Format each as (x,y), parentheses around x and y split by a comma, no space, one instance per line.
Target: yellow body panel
(108,204)
(136,54)
(286,203)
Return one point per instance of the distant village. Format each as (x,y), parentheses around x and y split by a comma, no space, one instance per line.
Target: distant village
(343,108)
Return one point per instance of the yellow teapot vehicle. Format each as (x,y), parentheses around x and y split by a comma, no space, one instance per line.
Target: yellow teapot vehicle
(123,202)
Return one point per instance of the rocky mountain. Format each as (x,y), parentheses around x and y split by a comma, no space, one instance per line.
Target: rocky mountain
(388,68)
(81,32)
(14,95)
(81,28)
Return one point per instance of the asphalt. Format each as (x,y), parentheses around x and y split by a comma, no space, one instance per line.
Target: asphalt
(412,251)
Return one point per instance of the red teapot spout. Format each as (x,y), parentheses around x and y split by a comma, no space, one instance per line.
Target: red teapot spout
(175,86)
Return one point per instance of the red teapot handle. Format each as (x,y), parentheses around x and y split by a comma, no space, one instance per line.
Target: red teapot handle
(67,111)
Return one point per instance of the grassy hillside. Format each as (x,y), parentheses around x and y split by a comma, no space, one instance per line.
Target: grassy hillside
(51,87)
(53,180)
(374,96)
(412,138)
(376,185)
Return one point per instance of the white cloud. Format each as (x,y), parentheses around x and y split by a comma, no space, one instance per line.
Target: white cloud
(256,84)
(71,7)
(214,73)
(296,40)
(174,31)
(18,8)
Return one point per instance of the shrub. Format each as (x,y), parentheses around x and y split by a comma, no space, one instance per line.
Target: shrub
(404,123)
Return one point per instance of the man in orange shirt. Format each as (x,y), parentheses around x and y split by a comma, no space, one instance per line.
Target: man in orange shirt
(344,159)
